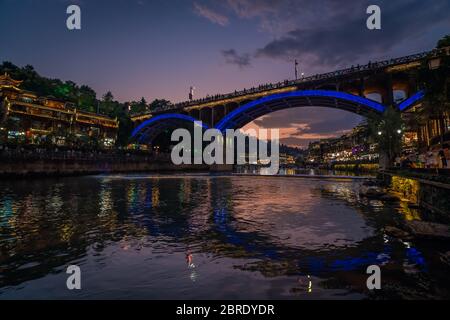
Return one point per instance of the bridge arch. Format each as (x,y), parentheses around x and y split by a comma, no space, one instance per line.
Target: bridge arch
(301,98)
(411,101)
(148,130)
(241,115)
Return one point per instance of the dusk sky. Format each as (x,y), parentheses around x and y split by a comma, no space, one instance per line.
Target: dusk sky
(158,48)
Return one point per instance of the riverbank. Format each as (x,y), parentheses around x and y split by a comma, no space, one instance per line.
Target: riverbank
(307,176)
(429,190)
(356,167)
(26,168)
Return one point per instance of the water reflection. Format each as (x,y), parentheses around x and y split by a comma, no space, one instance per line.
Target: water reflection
(137,236)
(245,169)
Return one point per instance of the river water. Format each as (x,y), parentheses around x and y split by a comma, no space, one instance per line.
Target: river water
(208,237)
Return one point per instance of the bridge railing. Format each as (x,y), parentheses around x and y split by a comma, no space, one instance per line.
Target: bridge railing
(371,66)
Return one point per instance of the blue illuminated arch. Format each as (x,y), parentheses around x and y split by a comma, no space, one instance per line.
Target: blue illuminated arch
(406,104)
(161,121)
(325,98)
(314,265)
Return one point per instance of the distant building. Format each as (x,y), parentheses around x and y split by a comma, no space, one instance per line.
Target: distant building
(286,159)
(26,117)
(353,146)
(315,153)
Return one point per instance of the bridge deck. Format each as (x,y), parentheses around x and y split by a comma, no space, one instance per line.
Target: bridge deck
(391,65)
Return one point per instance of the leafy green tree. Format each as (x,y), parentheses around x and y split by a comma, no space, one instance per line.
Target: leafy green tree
(435,83)
(108,105)
(125,128)
(8,67)
(139,107)
(159,104)
(108,97)
(67,91)
(387,130)
(87,100)
(444,42)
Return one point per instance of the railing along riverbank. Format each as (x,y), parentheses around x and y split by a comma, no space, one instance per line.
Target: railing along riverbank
(24,162)
(428,188)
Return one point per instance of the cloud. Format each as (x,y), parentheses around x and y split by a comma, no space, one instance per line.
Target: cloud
(326,35)
(345,40)
(250,9)
(264,10)
(211,15)
(299,126)
(277,17)
(274,16)
(232,57)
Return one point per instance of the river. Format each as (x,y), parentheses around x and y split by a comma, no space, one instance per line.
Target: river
(208,237)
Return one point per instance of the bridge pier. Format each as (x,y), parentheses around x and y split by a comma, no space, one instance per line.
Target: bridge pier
(195,113)
(205,115)
(389,91)
(361,87)
(218,113)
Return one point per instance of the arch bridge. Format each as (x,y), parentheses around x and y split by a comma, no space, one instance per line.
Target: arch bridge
(362,90)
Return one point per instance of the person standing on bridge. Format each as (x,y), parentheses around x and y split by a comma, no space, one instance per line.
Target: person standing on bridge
(191,93)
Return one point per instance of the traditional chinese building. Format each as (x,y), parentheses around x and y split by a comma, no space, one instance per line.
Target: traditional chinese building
(427,132)
(26,117)
(353,146)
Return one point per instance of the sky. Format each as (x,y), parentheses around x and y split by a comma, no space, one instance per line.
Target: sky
(159,48)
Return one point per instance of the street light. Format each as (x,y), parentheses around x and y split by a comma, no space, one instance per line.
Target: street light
(399,131)
(379,133)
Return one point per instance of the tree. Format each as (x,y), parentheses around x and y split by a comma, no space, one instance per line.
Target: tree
(108,97)
(139,107)
(125,128)
(87,100)
(444,42)
(435,83)
(108,105)
(159,104)
(143,103)
(8,67)
(387,130)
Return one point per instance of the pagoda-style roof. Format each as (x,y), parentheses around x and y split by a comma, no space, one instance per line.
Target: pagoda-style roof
(7,82)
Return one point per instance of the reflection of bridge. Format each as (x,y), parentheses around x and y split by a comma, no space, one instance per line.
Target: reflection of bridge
(233,238)
(361,89)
